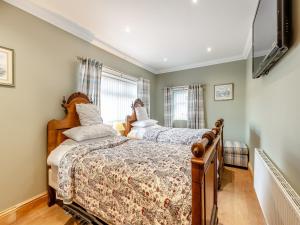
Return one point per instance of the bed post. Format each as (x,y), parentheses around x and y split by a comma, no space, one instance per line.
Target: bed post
(220,148)
(204,179)
(51,196)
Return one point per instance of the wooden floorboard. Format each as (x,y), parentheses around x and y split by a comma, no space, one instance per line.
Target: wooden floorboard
(238,204)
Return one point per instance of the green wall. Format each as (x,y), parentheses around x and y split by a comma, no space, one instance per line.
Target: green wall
(45,67)
(272,109)
(232,111)
(264,112)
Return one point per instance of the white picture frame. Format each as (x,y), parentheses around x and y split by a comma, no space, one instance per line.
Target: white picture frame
(6,67)
(224,92)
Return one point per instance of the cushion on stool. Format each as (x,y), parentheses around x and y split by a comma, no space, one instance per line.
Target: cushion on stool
(235,147)
(236,160)
(236,153)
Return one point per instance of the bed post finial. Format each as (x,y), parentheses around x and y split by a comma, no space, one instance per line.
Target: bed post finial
(198,149)
(219,122)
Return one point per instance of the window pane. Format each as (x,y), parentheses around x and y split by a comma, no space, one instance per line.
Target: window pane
(180,107)
(116,97)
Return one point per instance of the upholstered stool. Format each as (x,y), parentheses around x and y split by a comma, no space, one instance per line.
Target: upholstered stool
(236,154)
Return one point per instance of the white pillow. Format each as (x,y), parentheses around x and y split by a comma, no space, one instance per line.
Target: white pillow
(144,123)
(88,114)
(90,132)
(141,113)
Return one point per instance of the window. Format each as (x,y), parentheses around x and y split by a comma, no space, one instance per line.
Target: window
(180,104)
(117,94)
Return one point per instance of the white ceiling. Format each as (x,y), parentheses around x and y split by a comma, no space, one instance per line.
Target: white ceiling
(178,30)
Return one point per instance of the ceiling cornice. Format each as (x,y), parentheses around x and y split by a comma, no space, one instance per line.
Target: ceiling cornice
(243,56)
(82,33)
(202,64)
(73,28)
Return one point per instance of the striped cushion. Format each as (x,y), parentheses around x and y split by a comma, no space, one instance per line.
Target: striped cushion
(236,160)
(235,148)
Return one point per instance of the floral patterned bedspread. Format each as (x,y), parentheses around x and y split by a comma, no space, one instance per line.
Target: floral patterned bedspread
(129,182)
(184,136)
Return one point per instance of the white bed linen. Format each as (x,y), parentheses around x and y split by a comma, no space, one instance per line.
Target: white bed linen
(57,154)
(52,177)
(138,132)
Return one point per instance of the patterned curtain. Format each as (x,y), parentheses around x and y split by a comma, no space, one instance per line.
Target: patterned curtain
(89,79)
(143,92)
(195,107)
(168,107)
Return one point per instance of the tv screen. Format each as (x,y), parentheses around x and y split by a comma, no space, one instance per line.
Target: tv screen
(270,35)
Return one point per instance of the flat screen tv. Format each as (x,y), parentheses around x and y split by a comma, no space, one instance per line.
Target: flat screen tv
(271,34)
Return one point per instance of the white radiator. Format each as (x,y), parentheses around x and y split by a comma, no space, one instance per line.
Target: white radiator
(279,202)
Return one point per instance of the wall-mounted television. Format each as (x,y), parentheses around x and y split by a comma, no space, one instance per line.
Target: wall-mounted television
(271,34)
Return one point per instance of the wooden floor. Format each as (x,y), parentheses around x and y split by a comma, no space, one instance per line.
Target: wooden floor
(237,204)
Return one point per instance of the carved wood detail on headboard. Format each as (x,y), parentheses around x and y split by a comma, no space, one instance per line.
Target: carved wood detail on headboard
(55,128)
(137,103)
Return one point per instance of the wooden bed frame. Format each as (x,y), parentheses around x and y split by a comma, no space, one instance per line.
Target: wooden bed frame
(219,124)
(203,163)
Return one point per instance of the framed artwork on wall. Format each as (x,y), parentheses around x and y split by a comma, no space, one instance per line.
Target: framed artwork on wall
(224,92)
(7,67)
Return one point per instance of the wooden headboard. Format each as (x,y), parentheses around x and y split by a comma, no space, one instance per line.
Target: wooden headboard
(132,118)
(56,127)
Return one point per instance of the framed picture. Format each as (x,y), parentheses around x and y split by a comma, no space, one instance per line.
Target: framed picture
(6,67)
(224,92)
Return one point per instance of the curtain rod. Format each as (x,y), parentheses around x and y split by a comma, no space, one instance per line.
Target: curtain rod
(183,86)
(82,58)
(121,74)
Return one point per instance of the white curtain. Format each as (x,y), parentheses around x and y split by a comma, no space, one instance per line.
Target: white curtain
(143,89)
(195,107)
(89,79)
(117,95)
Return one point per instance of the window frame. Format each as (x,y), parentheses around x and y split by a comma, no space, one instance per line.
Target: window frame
(179,118)
(117,75)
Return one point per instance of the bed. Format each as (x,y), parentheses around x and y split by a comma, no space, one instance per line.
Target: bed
(160,134)
(123,181)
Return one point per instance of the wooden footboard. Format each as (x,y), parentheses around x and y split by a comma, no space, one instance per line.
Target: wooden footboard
(205,179)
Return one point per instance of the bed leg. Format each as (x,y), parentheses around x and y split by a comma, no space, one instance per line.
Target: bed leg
(51,196)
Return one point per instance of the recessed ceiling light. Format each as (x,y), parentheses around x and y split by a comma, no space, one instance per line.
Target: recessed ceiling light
(208,49)
(127,29)
(195,1)
(165,59)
